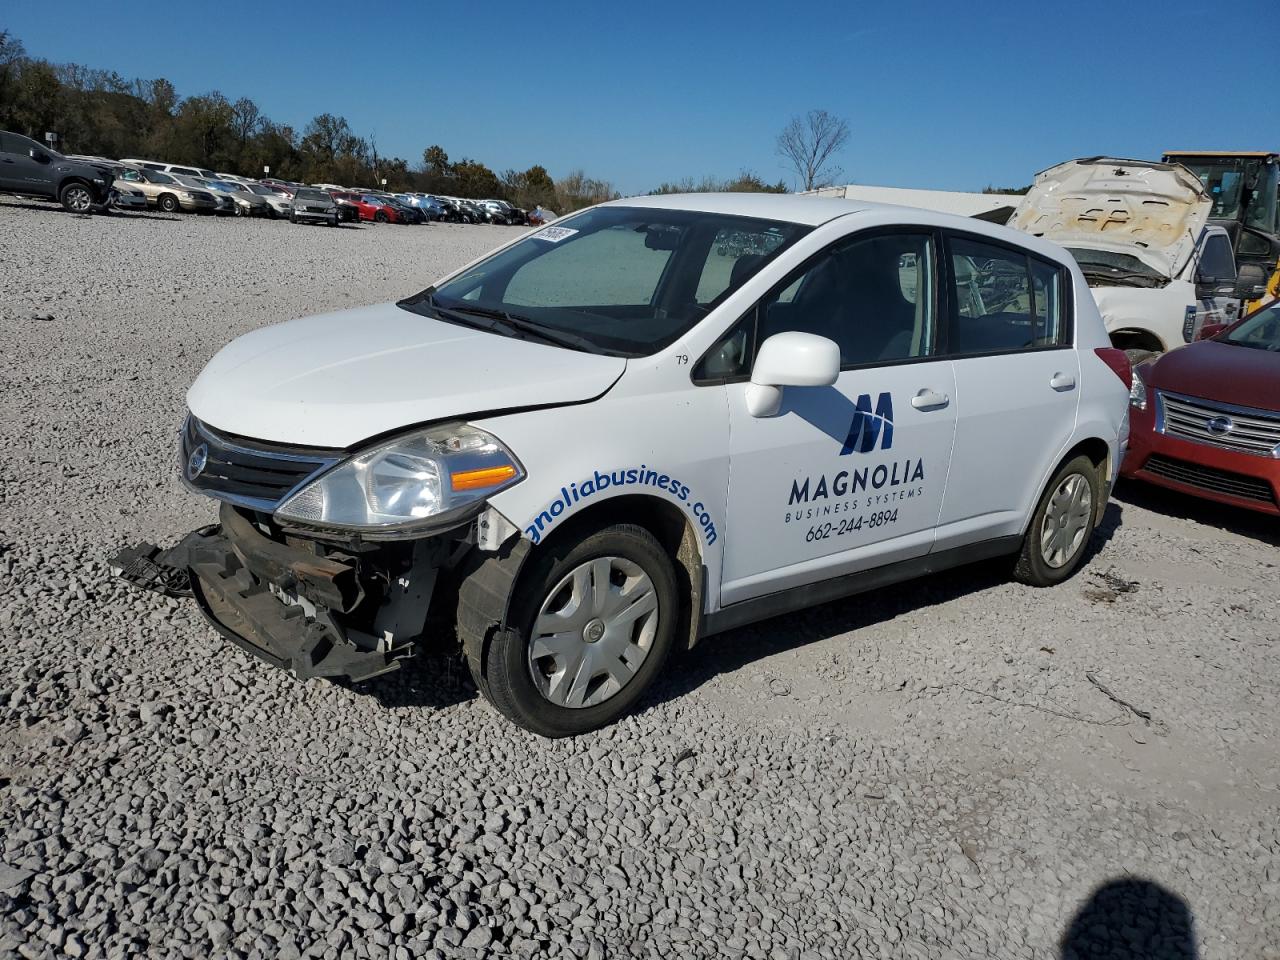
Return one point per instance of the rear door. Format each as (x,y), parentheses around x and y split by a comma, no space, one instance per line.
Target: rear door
(1017,385)
(849,476)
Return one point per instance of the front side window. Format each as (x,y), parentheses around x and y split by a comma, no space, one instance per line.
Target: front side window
(873,296)
(1217,265)
(1003,300)
(622,280)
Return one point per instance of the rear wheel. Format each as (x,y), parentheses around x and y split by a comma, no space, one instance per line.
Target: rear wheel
(76,198)
(1062,525)
(592,622)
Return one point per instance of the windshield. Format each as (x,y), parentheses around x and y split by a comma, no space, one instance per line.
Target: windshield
(156,176)
(1119,266)
(1261,331)
(622,280)
(1227,179)
(260,190)
(312,195)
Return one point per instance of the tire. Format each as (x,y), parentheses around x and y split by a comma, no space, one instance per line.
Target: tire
(1045,562)
(524,681)
(239,210)
(1137,356)
(334,221)
(75,197)
(168,203)
(380,217)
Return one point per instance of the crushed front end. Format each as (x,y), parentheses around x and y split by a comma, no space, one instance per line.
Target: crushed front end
(316,603)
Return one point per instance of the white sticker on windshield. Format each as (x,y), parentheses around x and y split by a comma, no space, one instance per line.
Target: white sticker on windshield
(554,234)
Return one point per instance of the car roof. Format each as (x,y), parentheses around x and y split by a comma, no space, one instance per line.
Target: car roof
(792,208)
(814,211)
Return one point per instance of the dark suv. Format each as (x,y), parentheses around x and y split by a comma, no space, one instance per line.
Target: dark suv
(28,169)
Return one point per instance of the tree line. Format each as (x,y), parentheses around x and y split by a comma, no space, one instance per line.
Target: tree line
(101,113)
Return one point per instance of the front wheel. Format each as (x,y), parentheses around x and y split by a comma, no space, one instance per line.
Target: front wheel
(76,198)
(1062,525)
(592,622)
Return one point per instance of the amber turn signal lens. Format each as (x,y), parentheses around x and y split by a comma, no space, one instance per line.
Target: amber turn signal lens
(477,479)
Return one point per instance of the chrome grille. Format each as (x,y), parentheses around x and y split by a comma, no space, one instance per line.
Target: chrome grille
(1210,478)
(247,473)
(1242,429)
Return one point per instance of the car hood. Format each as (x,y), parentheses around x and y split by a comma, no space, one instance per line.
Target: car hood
(339,378)
(1219,371)
(1153,211)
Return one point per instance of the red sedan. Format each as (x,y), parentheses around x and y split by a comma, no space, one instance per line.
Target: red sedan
(1205,419)
(371,207)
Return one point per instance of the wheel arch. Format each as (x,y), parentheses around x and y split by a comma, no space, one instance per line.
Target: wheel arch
(1099,453)
(489,581)
(1136,338)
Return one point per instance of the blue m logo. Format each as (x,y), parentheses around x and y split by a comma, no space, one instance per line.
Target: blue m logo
(868,427)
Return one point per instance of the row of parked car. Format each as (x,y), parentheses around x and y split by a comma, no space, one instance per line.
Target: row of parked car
(84,183)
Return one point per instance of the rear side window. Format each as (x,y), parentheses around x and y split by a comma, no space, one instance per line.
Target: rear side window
(1003,300)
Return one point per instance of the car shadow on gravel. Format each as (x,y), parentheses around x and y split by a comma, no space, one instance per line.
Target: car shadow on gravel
(1133,919)
(734,649)
(58,210)
(1220,516)
(433,680)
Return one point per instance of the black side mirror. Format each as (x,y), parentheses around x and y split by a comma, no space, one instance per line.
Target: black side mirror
(39,156)
(1251,282)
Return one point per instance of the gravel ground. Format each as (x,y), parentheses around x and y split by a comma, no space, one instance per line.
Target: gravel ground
(929,771)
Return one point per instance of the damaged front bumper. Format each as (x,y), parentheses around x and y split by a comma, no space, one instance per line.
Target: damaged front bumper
(316,612)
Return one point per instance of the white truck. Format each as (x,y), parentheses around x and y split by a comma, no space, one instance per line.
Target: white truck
(1140,233)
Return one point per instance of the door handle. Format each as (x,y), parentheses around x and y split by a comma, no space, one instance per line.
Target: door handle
(928,399)
(1062,382)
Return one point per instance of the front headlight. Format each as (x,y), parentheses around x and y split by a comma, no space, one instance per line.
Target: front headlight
(1138,389)
(183,194)
(432,478)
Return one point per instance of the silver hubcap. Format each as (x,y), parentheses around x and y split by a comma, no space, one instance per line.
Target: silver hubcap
(593,632)
(1066,521)
(79,199)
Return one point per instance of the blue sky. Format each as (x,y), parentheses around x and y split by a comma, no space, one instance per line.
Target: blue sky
(937,94)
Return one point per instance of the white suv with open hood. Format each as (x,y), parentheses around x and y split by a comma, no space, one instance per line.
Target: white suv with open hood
(658,419)
(1140,233)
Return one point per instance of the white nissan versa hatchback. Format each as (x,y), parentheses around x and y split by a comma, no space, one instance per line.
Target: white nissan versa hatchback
(658,419)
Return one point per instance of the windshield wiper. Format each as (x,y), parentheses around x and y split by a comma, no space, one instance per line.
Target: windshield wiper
(1122,276)
(514,323)
(1251,344)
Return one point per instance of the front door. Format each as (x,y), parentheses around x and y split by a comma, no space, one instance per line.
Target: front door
(1216,300)
(18,171)
(852,475)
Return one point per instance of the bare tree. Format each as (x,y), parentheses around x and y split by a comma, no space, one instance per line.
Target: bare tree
(808,144)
